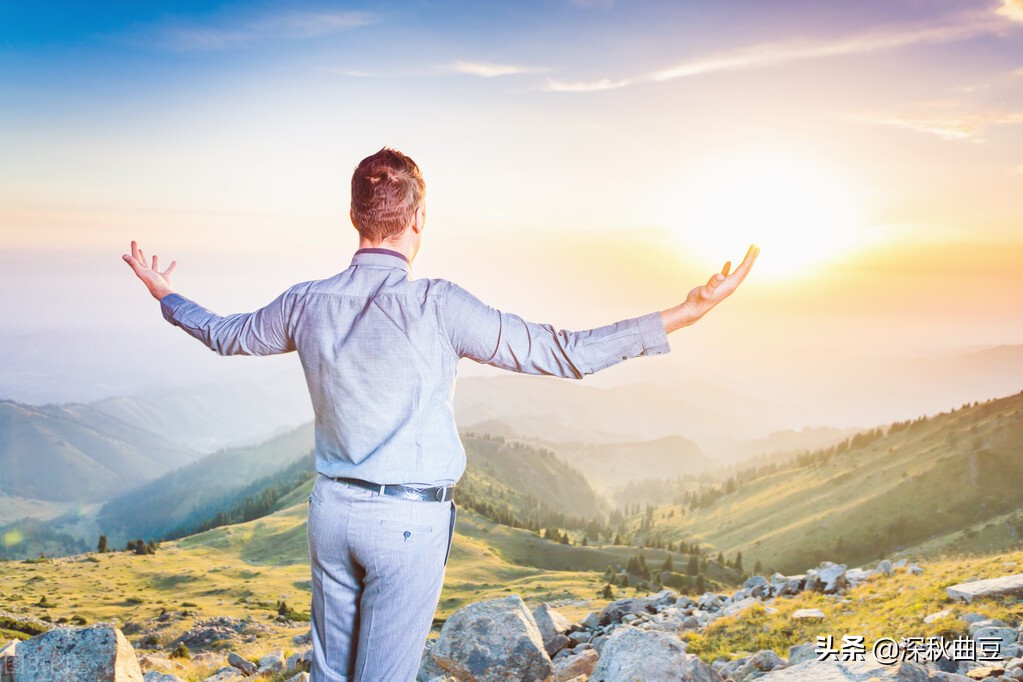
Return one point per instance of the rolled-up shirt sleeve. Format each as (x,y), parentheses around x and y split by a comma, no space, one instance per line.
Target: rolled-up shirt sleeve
(501,339)
(263,332)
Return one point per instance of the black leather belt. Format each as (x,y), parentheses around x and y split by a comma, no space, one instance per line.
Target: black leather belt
(437,494)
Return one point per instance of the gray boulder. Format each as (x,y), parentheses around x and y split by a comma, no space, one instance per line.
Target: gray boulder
(633,654)
(158,676)
(738,607)
(93,654)
(617,610)
(429,669)
(553,626)
(300,661)
(885,567)
(757,664)
(800,653)
(849,671)
(967,592)
(493,640)
(271,663)
(226,674)
(831,577)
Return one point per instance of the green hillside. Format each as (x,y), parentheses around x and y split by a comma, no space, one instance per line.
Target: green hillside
(878,493)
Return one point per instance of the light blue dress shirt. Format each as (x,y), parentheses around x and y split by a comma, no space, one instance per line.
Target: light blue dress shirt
(380,352)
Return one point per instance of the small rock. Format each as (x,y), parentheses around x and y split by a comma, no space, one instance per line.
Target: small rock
(226,674)
(300,677)
(556,644)
(158,676)
(816,614)
(571,667)
(550,623)
(944,613)
(243,664)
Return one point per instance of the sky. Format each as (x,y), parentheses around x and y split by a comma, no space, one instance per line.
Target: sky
(585,162)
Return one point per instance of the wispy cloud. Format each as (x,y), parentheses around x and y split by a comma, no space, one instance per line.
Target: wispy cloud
(1018,72)
(965,126)
(228,33)
(491,70)
(587,86)
(953,29)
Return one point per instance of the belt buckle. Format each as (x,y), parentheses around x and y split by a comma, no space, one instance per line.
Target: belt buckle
(439,494)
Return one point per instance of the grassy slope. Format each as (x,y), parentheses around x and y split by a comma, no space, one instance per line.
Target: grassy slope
(213,571)
(265,560)
(947,474)
(883,606)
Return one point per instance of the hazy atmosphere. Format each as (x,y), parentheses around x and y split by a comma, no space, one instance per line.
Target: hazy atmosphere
(857,400)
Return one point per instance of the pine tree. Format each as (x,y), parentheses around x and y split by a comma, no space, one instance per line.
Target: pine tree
(101,546)
(693,567)
(701,584)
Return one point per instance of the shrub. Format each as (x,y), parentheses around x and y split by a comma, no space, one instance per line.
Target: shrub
(181,651)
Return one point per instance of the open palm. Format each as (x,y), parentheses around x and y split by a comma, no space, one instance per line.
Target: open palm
(701,299)
(158,283)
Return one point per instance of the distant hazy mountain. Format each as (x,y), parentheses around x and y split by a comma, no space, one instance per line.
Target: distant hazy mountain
(611,465)
(213,416)
(560,410)
(76,453)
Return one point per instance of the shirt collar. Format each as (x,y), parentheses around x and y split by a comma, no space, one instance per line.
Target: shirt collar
(381,257)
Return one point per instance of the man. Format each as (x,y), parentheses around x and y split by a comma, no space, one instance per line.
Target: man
(379,352)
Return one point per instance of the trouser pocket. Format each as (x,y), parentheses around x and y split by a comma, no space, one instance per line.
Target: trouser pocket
(451,533)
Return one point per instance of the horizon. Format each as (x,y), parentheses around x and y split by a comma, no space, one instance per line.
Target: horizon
(607,158)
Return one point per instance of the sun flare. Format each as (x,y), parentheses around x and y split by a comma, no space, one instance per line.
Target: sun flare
(801,213)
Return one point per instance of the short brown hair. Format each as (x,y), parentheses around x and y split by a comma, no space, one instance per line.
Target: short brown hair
(387,188)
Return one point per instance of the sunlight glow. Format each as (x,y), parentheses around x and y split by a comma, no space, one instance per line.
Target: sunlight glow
(798,211)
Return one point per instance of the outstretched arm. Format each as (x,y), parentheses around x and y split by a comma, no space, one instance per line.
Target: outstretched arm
(490,336)
(263,332)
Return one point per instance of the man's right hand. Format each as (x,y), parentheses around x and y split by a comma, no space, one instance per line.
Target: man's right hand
(702,298)
(158,283)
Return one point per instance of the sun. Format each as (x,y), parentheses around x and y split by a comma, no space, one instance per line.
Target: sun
(799,211)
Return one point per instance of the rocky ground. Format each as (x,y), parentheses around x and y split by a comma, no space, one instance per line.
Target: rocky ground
(636,638)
